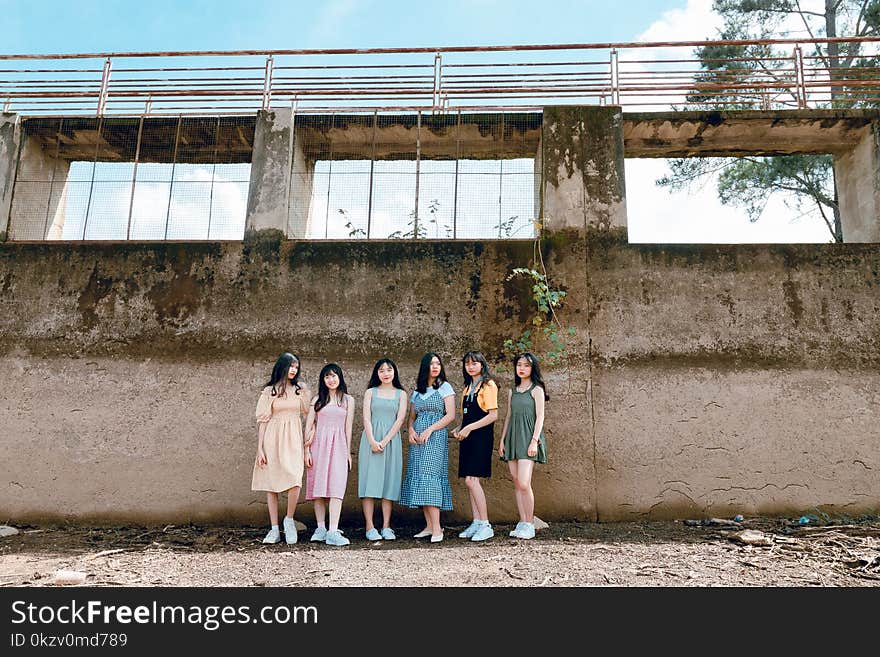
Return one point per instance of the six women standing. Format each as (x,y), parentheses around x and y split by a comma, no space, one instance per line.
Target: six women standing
(326,452)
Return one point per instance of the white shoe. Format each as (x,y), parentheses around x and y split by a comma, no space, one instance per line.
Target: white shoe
(423,534)
(484,532)
(436,538)
(515,532)
(290,535)
(526,530)
(470,530)
(274,536)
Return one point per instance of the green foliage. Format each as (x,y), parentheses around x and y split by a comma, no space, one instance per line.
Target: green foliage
(544,324)
(805,180)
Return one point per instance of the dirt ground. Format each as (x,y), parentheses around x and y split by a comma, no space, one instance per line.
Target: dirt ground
(675,553)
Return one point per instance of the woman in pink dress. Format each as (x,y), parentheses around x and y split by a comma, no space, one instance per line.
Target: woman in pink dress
(328,451)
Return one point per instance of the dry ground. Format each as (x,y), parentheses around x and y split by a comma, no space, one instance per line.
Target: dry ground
(831,553)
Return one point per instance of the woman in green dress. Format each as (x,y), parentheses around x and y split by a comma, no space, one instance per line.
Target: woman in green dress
(523,443)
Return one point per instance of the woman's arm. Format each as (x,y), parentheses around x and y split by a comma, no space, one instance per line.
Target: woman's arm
(448,418)
(398,423)
(506,422)
(410,431)
(538,396)
(310,423)
(349,422)
(261,454)
(368,417)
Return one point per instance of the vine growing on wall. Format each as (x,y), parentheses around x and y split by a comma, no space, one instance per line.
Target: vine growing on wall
(544,328)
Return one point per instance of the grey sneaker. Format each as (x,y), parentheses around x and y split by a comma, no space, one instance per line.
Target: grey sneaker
(373,535)
(290,535)
(388,534)
(274,536)
(484,532)
(319,535)
(336,538)
(470,530)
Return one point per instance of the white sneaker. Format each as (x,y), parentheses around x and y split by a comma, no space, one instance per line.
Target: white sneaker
(515,532)
(274,536)
(525,530)
(290,535)
(484,532)
(470,530)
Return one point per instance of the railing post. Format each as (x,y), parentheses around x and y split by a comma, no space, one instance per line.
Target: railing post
(615,78)
(7,106)
(800,79)
(267,82)
(105,83)
(438,82)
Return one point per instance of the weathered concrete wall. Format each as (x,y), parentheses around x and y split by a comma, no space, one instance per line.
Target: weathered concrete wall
(40,200)
(10,140)
(858,186)
(736,379)
(269,189)
(583,168)
(702,380)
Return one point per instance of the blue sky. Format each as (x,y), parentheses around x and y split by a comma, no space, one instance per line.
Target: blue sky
(62,26)
(66,26)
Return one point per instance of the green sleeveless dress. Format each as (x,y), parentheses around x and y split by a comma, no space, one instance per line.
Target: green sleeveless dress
(520,428)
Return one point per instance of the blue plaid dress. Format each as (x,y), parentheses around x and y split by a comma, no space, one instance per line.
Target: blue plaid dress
(426,482)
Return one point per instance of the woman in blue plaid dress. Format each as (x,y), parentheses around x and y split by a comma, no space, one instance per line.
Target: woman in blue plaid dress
(426,483)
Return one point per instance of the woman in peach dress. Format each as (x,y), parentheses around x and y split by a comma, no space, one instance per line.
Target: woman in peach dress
(279,464)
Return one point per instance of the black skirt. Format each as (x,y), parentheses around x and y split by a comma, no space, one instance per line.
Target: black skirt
(475,453)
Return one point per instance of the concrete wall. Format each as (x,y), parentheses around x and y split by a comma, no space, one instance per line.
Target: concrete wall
(10,139)
(702,380)
(858,185)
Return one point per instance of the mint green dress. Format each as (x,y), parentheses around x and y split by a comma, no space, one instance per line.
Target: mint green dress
(379,474)
(520,428)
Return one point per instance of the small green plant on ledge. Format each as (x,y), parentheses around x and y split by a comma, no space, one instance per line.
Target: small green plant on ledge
(545,322)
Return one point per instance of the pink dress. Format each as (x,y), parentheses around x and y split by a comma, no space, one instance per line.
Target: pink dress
(329,472)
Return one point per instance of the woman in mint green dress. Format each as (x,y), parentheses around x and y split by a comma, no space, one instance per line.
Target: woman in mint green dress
(523,443)
(380,456)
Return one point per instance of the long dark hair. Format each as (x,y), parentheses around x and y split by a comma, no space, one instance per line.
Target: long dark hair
(476,357)
(375,382)
(279,379)
(425,373)
(536,372)
(324,391)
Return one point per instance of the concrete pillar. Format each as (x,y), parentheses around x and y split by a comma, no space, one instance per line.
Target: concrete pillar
(301,177)
(10,139)
(582,163)
(857,174)
(40,200)
(269,189)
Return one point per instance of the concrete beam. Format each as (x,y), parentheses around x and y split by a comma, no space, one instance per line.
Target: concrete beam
(269,191)
(10,140)
(583,181)
(729,134)
(857,174)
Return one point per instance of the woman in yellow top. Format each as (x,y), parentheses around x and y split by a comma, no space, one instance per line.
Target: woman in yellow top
(476,436)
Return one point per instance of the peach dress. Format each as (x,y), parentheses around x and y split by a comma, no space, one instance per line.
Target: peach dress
(282,441)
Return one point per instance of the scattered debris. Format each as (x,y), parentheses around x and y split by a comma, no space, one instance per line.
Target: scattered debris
(69,578)
(539,524)
(751,537)
(6,530)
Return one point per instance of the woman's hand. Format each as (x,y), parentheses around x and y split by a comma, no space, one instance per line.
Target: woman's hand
(308,458)
(464,433)
(501,449)
(262,461)
(349,461)
(375,447)
(533,448)
(411,436)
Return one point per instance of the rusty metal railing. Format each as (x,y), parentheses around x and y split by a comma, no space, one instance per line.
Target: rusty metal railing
(648,76)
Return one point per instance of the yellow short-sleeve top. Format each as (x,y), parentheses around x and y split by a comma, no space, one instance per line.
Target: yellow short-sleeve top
(487,397)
